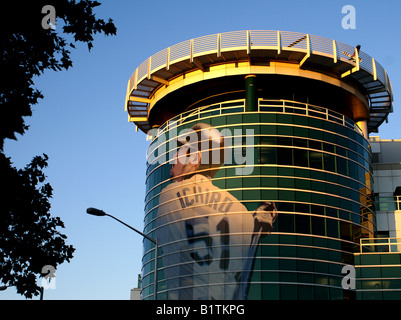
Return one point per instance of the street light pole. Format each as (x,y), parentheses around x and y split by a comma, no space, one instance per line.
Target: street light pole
(41,292)
(98,212)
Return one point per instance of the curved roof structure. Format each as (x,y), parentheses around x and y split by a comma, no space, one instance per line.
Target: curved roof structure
(260,52)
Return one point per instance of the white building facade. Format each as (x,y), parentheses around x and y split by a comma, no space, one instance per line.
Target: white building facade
(387,185)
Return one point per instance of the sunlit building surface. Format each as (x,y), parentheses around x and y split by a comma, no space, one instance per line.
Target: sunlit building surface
(259,176)
(379,263)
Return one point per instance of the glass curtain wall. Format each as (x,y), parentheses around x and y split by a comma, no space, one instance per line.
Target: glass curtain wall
(276,217)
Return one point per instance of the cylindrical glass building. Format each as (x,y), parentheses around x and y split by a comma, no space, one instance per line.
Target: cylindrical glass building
(259,181)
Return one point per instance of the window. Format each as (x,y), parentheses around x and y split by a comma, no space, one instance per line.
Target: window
(303,184)
(286,183)
(285,222)
(284,118)
(234,119)
(284,141)
(269,195)
(387,203)
(269,182)
(318,226)
(250,118)
(268,118)
(332,228)
(268,155)
(218,121)
(315,160)
(284,156)
(232,183)
(301,158)
(342,166)
(302,224)
(285,130)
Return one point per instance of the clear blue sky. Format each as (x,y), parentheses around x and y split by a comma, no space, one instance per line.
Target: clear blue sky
(96,157)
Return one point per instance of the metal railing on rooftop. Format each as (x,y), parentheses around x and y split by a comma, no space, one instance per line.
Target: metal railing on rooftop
(255,39)
(287,106)
(215,46)
(264,106)
(380,245)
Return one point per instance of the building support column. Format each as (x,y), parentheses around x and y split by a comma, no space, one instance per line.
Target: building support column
(251,100)
(363,125)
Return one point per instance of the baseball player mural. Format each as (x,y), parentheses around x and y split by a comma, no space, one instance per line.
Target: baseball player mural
(208,238)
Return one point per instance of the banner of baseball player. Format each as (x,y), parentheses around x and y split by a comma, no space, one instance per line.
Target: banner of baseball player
(208,238)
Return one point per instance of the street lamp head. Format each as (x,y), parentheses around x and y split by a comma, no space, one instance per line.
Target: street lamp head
(98,212)
(95,212)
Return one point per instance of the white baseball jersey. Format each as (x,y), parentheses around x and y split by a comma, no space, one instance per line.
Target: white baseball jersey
(209,234)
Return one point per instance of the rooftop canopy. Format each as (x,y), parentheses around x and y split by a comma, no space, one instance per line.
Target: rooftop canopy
(307,52)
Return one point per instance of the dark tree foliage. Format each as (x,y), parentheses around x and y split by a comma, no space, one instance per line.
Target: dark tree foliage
(29,236)
(27,50)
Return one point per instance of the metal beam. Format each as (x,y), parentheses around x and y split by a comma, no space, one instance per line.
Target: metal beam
(198,64)
(303,60)
(357,59)
(347,73)
(248,42)
(278,42)
(308,50)
(138,99)
(377,89)
(168,59)
(159,80)
(137,119)
(297,41)
(219,45)
(191,51)
(149,66)
(136,79)
(334,51)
